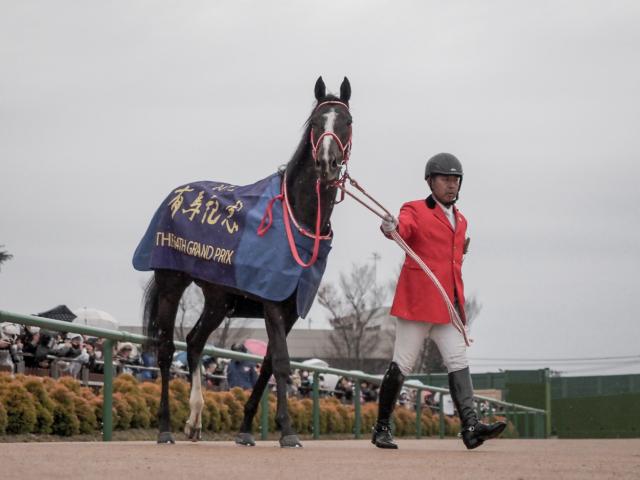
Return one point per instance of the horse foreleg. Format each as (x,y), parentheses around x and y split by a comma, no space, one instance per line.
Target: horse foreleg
(245,436)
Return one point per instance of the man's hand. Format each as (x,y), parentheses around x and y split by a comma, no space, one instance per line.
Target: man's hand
(389,224)
(465,249)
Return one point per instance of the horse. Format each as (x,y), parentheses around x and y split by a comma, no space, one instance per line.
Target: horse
(308,187)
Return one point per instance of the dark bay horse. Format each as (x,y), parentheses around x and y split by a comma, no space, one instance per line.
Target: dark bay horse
(307,200)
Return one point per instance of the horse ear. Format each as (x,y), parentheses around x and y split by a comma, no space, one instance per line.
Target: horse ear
(345,90)
(320,89)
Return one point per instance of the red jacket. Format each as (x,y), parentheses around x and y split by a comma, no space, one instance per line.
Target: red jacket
(426,229)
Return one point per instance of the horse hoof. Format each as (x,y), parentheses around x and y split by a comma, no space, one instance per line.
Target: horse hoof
(165,437)
(245,439)
(290,441)
(193,434)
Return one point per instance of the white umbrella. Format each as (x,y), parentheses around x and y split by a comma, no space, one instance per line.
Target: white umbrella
(95,318)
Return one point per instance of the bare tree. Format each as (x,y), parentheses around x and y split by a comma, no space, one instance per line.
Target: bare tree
(4,255)
(189,309)
(430,360)
(232,330)
(353,308)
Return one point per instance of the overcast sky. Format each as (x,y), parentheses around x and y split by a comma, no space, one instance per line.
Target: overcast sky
(106,106)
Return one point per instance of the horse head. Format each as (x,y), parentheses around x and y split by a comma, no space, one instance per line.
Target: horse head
(330,131)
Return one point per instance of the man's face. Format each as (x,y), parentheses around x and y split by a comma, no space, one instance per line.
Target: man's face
(444,187)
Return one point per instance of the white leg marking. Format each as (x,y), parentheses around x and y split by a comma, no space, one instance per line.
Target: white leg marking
(196,401)
(328,127)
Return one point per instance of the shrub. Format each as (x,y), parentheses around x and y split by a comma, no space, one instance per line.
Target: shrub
(132,393)
(369,414)
(236,409)
(429,426)
(20,407)
(88,423)
(71,383)
(3,419)
(225,415)
(123,413)
(65,419)
(43,403)
(151,394)
(298,414)
(211,413)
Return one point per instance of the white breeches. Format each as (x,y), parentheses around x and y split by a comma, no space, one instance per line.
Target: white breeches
(410,336)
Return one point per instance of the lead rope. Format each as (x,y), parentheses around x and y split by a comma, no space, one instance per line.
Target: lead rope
(453,314)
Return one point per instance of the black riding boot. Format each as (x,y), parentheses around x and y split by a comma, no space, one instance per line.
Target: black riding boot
(474,433)
(389,392)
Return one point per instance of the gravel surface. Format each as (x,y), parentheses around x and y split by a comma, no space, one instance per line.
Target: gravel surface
(323,459)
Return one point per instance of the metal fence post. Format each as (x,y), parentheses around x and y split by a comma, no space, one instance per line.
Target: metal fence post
(356,403)
(316,405)
(264,414)
(418,413)
(107,391)
(441,433)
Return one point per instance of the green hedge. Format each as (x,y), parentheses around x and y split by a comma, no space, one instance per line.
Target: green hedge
(64,407)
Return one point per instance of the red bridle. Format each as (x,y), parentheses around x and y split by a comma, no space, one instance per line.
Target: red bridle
(344,148)
(267,218)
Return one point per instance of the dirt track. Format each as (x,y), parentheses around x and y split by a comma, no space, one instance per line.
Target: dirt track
(325,459)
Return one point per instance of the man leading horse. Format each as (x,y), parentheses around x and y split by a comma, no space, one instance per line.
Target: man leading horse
(436,230)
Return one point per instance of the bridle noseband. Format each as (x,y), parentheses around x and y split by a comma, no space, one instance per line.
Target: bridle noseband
(344,148)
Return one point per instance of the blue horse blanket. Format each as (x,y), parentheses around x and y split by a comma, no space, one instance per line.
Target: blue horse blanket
(209,230)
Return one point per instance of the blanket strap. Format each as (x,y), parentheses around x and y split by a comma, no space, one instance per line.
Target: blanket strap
(267,218)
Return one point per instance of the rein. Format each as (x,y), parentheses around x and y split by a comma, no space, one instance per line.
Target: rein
(383,213)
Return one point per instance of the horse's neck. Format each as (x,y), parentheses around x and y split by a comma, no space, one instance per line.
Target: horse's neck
(301,189)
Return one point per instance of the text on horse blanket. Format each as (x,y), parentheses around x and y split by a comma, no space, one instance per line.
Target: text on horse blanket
(208,230)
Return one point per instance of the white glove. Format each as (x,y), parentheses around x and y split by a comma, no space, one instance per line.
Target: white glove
(389,224)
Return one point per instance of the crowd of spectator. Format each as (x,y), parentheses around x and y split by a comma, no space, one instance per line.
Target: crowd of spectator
(69,353)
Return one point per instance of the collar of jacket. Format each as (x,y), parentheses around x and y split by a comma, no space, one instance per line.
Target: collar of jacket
(431,202)
(439,213)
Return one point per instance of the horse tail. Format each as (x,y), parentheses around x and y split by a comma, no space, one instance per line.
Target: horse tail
(150,325)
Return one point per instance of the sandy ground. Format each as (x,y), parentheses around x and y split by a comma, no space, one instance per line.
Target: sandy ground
(323,459)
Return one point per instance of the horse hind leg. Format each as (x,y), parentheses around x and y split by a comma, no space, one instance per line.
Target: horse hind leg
(214,311)
(164,305)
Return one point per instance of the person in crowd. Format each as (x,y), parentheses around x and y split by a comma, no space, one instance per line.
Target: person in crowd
(10,347)
(148,360)
(73,350)
(241,373)
(212,373)
(369,392)
(127,357)
(344,390)
(306,383)
(30,343)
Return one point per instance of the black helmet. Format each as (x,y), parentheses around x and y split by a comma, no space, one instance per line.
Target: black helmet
(443,164)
